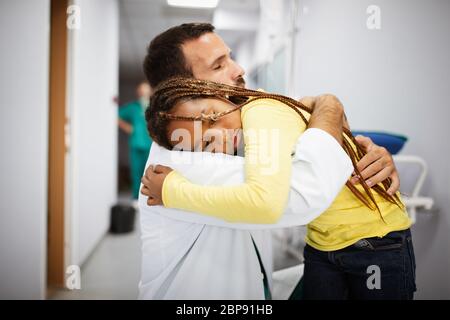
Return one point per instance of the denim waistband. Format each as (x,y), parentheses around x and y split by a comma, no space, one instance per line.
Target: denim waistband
(392,240)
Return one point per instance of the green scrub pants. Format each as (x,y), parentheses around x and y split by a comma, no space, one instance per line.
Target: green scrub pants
(138,159)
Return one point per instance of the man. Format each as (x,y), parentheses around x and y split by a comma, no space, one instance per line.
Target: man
(132,122)
(191,256)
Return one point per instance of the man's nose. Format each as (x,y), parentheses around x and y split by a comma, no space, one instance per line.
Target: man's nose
(238,71)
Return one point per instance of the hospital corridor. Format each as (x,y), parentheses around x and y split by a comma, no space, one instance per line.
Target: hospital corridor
(92,91)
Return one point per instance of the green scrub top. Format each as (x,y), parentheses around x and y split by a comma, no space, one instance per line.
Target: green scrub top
(133,113)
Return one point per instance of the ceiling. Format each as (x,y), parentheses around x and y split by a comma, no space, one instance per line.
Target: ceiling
(142,20)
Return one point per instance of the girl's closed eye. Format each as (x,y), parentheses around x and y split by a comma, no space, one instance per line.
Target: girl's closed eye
(213,116)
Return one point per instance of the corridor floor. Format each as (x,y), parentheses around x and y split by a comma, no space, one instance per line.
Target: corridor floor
(113,269)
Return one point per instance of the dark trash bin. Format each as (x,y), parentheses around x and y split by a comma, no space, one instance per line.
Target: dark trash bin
(122,218)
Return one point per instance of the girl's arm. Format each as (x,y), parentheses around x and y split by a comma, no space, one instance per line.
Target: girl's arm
(270,133)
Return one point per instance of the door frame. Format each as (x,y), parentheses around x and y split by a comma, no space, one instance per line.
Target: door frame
(57,145)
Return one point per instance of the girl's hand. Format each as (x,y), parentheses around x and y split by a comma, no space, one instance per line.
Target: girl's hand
(377,165)
(153,181)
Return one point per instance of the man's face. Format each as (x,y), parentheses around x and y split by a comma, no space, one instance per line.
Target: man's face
(143,90)
(209,58)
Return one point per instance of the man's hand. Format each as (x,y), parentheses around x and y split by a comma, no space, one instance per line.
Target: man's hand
(153,181)
(328,115)
(308,102)
(376,165)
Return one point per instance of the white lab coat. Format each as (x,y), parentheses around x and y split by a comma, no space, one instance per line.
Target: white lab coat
(192,256)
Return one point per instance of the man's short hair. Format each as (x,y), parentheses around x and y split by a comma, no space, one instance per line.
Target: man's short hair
(165,58)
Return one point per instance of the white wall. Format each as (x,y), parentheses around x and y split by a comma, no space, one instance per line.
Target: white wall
(93,83)
(24,61)
(395,79)
(273,35)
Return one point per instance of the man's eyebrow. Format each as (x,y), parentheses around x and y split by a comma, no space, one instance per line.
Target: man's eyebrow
(220,58)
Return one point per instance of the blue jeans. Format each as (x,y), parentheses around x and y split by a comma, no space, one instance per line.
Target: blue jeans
(372,268)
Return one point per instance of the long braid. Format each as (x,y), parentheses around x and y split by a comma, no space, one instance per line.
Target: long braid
(386,183)
(169,93)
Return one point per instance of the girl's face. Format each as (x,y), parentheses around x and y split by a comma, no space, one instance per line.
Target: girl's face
(223,135)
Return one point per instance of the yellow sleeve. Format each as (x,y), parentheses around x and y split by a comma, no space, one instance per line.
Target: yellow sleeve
(270,133)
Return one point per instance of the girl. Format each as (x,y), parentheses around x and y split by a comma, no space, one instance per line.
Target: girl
(364,229)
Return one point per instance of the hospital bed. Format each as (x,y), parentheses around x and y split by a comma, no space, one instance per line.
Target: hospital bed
(415,200)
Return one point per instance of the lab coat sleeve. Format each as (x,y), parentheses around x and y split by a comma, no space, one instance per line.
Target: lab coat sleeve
(320,169)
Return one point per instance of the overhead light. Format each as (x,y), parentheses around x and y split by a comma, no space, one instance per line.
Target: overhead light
(209,4)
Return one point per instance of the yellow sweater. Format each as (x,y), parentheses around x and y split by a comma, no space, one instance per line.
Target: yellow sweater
(270,133)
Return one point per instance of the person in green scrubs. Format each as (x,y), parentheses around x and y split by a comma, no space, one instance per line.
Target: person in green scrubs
(132,121)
